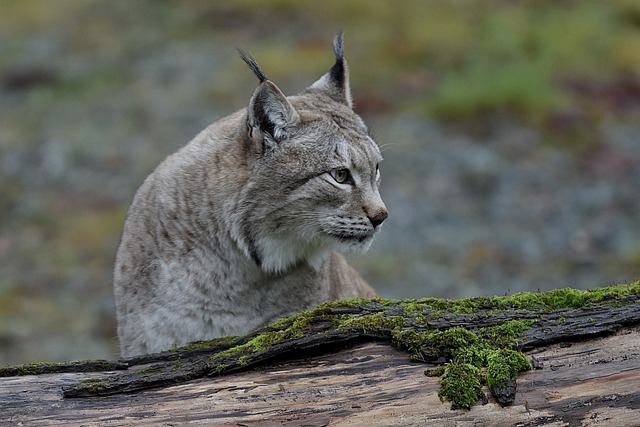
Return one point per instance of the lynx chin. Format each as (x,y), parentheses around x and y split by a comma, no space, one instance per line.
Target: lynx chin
(243,225)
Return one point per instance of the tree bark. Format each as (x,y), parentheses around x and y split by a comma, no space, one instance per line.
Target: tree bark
(590,349)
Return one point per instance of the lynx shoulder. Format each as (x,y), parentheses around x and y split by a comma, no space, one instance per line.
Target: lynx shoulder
(243,225)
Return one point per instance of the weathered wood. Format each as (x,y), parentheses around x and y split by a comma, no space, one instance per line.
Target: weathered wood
(370,320)
(62,367)
(592,372)
(589,383)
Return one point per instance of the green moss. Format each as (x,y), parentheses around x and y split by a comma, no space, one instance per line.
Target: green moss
(217,359)
(427,308)
(466,353)
(475,355)
(152,369)
(504,364)
(255,345)
(439,305)
(438,371)
(32,368)
(93,385)
(296,324)
(410,340)
(352,303)
(461,385)
(207,344)
(89,365)
(564,298)
(218,368)
(505,334)
(372,322)
(446,343)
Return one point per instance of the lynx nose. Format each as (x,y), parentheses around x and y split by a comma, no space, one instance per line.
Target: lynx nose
(379,217)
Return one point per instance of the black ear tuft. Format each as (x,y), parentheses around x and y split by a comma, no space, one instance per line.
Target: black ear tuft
(335,83)
(337,72)
(253,64)
(269,115)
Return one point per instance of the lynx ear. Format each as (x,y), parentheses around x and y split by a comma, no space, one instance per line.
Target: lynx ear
(270,115)
(336,82)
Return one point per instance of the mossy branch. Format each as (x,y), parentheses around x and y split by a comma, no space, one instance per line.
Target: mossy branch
(478,340)
(62,367)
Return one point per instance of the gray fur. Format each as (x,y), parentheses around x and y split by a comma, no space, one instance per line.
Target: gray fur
(239,227)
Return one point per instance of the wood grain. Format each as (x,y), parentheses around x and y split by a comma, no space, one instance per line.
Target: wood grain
(595,382)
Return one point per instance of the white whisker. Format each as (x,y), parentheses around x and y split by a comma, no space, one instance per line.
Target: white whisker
(387,145)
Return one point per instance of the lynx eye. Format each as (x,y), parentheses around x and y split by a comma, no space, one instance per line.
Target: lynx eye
(342,176)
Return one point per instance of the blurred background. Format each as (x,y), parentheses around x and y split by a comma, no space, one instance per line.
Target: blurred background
(511,135)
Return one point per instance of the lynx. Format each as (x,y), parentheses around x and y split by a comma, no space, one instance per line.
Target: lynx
(240,226)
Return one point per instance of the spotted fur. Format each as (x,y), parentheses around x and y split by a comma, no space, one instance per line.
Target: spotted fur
(243,225)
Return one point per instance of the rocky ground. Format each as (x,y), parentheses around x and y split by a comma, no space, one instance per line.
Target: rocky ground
(486,196)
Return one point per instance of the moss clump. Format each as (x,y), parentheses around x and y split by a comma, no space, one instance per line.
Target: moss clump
(218,368)
(438,306)
(564,298)
(94,385)
(35,368)
(299,323)
(296,322)
(242,352)
(468,354)
(448,342)
(372,322)
(545,301)
(505,334)
(208,344)
(438,371)
(92,365)
(461,385)
(410,340)
(351,303)
(471,358)
(503,365)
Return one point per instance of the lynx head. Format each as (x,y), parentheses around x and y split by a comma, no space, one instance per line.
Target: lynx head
(313,181)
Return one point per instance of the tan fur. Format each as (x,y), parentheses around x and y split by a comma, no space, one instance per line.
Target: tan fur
(238,228)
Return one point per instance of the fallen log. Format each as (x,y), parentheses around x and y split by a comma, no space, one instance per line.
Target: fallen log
(586,342)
